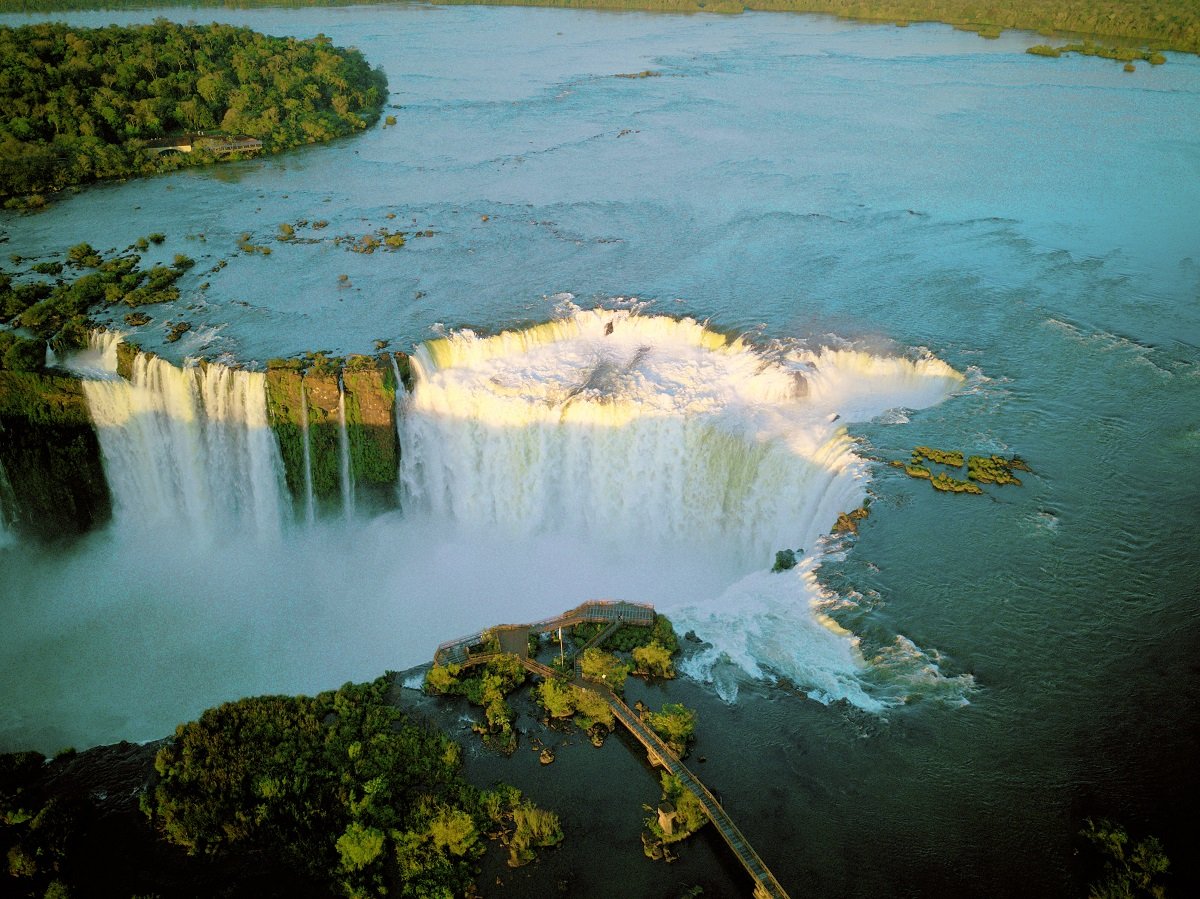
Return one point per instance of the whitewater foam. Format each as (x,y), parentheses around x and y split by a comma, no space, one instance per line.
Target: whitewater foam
(650,434)
(184,448)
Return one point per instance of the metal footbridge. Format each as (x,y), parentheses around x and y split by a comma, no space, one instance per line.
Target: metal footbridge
(476,649)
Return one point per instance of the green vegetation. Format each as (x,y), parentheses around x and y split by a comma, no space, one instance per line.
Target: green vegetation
(995,469)
(48,448)
(21,353)
(785,560)
(952,458)
(653,660)
(341,794)
(1166,24)
(561,699)
(279,777)
(485,685)
(684,813)
(676,724)
(82,104)
(628,637)
(947,484)
(1125,870)
(1163,24)
(1086,48)
(604,668)
(56,310)
(984,469)
(847,522)
(370,402)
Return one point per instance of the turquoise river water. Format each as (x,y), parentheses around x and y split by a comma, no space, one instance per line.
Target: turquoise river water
(939,711)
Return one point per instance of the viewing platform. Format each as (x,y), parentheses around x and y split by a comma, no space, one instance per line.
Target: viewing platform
(513,639)
(212,143)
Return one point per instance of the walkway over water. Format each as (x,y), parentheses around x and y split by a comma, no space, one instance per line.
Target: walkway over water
(477,649)
(464,649)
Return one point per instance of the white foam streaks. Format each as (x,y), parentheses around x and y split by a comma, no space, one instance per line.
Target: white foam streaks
(185,448)
(650,434)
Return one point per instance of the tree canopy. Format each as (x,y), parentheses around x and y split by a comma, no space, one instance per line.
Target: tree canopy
(342,787)
(80,104)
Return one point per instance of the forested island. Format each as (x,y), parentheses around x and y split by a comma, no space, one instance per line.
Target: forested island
(341,794)
(1161,24)
(82,104)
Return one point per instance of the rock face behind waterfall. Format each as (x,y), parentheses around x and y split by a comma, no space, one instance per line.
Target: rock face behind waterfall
(54,482)
(303,398)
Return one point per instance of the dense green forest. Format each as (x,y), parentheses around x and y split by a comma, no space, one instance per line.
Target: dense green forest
(338,794)
(1162,24)
(79,104)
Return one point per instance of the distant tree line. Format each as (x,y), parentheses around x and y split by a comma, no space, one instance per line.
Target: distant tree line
(80,104)
(1161,24)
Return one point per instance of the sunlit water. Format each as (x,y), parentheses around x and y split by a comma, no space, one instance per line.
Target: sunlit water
(898,193)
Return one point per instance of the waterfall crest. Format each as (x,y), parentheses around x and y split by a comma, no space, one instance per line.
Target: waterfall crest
(657,435)
(185,448)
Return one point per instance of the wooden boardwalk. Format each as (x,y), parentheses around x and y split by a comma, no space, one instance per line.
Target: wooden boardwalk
(464,649)
(460,652)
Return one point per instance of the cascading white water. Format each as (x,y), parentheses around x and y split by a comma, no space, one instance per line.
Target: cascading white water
(185,448)
(346,473)
(654,434)
(310,509)
(8,503)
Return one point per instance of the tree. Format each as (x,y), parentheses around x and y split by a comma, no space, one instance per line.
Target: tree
(604,668)
(359,846)
(654,660)
(676,724)
(1128,871)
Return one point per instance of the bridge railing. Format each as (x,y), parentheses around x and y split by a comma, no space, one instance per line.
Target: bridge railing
(594,610)
(661,754)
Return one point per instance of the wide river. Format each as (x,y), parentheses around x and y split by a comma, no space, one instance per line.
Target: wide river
(1030,222)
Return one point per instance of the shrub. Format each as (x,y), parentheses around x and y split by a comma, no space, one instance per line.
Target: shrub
(604,668)
(24,354)
(557,697)
(785,560)
(653,660)
(676,724)
(83,256)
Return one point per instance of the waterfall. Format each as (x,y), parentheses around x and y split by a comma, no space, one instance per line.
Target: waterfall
(310,512)
(656,429)
(345,471)
(663,438)
(185,448)
(401,395)
(8,507)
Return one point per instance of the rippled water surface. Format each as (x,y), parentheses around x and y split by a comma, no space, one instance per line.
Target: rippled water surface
(1030,222)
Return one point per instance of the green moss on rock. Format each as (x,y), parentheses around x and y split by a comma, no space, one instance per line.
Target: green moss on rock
(994,470)
(371,421)
(285,414)
(952,458)
(126,353)
(51,456)
(948,484)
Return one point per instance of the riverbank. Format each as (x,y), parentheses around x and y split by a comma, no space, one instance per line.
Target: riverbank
(600,793)
(1165,25)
